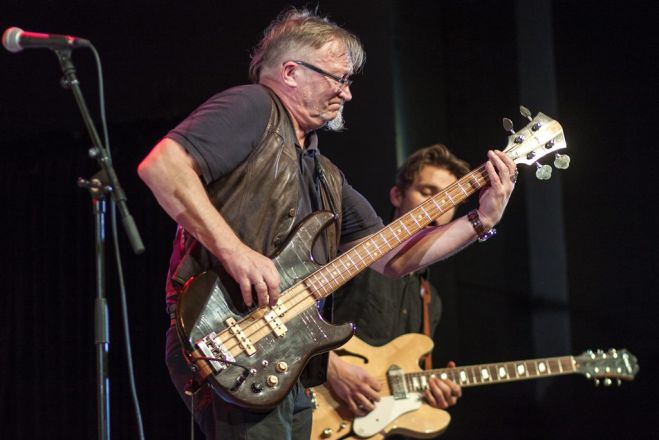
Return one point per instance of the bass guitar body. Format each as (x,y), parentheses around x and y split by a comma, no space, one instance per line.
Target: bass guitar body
(252,357)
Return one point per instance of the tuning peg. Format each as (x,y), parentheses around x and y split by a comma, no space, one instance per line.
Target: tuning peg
(525,112)
(561,161)
(508,125)
(618,382)
(607,382)
(597,382)
(543,172)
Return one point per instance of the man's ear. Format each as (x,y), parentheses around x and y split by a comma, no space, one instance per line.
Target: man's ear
(288,74)
(395,196)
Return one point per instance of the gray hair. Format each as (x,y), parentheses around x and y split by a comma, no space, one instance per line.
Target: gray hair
(297,30)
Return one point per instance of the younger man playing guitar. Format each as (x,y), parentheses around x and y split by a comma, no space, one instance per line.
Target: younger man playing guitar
(383,308)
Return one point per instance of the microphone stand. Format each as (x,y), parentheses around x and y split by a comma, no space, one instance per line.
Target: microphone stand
(98,191)
(101,320)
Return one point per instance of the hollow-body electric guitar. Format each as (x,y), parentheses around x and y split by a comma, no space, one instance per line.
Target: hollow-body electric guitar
(401,409)
(252,357)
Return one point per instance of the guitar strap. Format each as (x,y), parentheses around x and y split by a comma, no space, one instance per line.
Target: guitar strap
(426,298)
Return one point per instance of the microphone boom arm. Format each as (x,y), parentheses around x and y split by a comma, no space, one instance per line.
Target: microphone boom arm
(99,152)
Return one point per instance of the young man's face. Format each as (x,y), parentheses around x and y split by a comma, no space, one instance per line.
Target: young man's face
(428,182)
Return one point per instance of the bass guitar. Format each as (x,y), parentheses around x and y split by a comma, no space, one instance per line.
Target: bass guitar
(252,357)
(401,409)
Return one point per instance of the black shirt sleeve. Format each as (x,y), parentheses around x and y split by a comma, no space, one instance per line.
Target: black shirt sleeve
(224,130)
(359,218)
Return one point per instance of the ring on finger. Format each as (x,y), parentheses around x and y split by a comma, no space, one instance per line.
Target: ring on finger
(513,178)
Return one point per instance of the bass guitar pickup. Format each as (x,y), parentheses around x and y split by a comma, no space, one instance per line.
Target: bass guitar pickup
(238,333)
(274,321)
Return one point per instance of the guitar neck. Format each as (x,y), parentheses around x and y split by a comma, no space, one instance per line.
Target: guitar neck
(474,375)
(343,268)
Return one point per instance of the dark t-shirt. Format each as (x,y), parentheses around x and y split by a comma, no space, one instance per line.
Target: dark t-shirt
(383,309)
(223,131)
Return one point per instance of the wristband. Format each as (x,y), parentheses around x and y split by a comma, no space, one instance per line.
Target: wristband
(475,221)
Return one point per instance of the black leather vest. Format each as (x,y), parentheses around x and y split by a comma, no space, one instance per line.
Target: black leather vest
(259,200)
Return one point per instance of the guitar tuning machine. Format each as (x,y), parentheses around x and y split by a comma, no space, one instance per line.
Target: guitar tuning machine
(508,125)
(543,172)
(562,161)
(525,112)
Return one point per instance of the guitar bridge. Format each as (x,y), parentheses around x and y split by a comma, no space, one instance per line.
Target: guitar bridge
(211,346)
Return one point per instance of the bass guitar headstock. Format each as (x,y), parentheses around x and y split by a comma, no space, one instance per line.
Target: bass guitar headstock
(540,137)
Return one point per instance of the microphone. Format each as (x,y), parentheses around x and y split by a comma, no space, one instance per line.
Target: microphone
(15,39)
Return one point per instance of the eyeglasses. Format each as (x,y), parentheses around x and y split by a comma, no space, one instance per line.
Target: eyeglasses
(345,81)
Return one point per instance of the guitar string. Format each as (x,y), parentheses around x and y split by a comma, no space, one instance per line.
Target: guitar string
(313,286)
(564,365)
(430,207)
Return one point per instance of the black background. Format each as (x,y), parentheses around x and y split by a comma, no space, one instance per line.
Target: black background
(458,76)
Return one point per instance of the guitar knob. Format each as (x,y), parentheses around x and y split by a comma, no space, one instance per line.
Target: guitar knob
(327,433)
(272,380)
(281,367)
(257,387)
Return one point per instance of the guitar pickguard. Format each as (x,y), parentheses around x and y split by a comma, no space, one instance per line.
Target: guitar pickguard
(386,411)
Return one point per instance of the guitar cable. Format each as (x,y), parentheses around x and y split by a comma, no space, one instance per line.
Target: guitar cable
(117,254)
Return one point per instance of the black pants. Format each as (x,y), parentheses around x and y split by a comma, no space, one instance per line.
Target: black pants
(290,420)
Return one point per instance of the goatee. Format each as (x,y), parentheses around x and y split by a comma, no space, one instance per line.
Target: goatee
(338,123)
